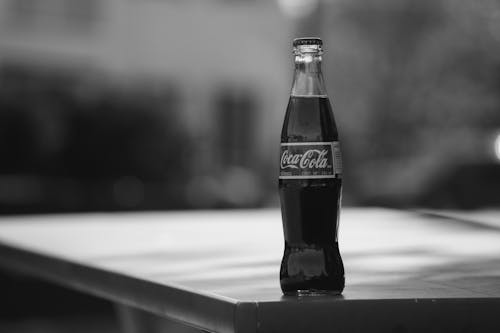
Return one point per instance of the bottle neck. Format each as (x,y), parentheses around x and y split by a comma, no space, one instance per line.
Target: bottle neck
(308,79)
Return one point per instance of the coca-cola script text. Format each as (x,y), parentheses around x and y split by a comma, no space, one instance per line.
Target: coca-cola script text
(310,160)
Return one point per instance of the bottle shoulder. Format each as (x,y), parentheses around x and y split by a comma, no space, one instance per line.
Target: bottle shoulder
(309,119)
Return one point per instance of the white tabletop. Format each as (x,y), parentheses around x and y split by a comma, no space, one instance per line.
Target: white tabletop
(219,269)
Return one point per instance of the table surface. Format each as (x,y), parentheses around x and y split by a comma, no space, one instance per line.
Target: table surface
(218,270)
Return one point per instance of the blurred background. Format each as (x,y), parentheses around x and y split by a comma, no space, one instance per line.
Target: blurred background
(161,104)
(111,105)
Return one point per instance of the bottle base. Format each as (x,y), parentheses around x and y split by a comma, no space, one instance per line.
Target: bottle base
(313,292)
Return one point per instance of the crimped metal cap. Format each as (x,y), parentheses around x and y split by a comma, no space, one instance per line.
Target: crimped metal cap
(307,41)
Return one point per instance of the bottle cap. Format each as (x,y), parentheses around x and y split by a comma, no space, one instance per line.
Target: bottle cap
(307,41)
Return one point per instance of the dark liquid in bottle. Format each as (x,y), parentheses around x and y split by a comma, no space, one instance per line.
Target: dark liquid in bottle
(310,207)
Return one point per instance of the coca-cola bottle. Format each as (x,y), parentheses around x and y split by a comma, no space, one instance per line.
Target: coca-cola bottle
(310,181)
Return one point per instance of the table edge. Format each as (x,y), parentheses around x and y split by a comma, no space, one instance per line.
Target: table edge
(207,312)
